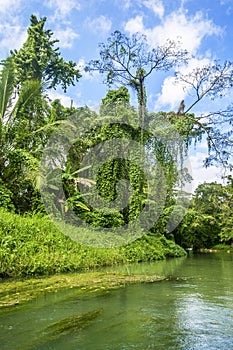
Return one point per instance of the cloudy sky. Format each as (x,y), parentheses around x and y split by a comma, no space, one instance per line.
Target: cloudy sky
(205,28)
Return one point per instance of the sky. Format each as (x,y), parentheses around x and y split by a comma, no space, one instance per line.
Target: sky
(204,27)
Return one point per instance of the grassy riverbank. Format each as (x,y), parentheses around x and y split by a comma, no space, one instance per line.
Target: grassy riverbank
(33,246)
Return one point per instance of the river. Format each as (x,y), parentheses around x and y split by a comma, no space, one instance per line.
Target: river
(191,310)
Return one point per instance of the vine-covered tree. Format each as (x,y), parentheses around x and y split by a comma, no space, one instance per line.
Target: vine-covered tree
(114,98)
(130,61)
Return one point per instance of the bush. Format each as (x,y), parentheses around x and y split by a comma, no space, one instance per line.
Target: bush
(6,198)
(102,219)
(223,247)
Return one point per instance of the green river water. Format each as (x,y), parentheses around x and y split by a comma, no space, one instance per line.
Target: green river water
(192,309)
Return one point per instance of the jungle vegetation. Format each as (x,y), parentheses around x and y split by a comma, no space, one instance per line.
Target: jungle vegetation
(30,243)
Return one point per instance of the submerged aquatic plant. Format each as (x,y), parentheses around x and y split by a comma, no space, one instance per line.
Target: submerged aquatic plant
(72,324)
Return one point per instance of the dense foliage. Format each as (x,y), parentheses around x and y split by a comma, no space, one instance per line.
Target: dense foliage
(28,119)
(34,246)
(208,221)
(40,60)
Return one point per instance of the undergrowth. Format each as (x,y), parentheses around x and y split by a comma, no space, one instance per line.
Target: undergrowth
(31,246)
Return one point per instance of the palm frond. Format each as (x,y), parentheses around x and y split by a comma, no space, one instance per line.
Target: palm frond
(6,86)
(29,93)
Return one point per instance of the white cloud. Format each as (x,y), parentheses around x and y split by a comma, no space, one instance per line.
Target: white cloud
(126,4)
(65,100)
(9,6)
(173,92)
(12,36)
(81,64)
(156,6)
(65,36)
(189,29)
(100,24)
(62,8)
(229,7)
(135,25)
(224,2)
(201,174)
(87,75)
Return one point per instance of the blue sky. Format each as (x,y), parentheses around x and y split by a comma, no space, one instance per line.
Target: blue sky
(205,27)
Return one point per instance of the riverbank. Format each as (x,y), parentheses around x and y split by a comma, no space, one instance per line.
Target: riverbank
(219,248)
(15,293)
(33,246)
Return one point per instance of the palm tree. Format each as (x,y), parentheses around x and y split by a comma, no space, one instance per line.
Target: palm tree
(20,116)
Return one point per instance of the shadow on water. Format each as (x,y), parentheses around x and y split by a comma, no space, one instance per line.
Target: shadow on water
(160,267)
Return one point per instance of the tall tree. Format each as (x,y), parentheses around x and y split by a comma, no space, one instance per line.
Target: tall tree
(40,60)
(26,118)
(212,81)
(209,220)
(17,161)
(114,98)
(226,219)
(130,61)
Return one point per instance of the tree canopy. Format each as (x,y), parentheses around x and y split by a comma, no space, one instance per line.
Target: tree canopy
(130,61)
(39,59)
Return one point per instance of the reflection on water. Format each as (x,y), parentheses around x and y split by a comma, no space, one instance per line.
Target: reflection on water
(191,310)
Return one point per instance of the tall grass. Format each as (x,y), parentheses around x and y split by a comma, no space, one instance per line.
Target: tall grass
(34,246)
